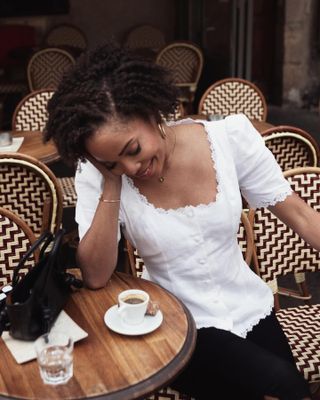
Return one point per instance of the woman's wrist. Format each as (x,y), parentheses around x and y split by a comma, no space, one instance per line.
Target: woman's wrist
(108,200)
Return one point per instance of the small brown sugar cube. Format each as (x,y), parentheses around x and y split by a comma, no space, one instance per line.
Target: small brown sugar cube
(153,308)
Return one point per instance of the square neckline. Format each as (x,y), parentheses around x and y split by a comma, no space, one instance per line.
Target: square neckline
(186,208)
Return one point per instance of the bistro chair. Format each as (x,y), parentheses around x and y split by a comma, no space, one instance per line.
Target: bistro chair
(47,66)
(234,96)
(292,147)
(31,113)
(145,37)
(279,252)
(15,239)
(30,189)
(66,36)
(185,61)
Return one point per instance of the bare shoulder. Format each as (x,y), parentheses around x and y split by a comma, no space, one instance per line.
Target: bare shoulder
(190,132)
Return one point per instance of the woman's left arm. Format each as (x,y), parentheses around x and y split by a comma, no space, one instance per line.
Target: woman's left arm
(300,217)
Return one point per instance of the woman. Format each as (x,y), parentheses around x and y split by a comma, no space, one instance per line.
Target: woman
(175,191)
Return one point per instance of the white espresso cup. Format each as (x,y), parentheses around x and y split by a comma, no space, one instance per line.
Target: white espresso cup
(133,305)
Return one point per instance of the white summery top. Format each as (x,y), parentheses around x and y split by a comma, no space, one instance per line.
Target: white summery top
(193,251)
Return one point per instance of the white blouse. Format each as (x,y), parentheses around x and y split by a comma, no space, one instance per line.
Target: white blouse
(193,251)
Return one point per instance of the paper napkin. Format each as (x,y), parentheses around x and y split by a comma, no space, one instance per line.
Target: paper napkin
(23,351)
(16,143)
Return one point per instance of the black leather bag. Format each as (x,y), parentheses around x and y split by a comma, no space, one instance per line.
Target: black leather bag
(36,299)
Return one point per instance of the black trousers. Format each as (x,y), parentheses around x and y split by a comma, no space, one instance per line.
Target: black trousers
(226,366)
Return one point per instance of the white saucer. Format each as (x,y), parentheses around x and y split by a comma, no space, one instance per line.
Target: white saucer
(114,322)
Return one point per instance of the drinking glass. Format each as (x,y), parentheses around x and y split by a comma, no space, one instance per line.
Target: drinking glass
(55,357)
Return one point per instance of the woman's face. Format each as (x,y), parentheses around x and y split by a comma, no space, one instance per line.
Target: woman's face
(133,148)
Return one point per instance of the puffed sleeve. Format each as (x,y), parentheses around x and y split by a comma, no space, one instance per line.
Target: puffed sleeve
(260,178)
(89,185)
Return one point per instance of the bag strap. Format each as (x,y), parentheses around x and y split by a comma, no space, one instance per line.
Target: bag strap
(44,239)
(57,241)
(54,252)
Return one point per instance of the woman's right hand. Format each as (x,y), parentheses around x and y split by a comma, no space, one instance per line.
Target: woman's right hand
(108,175)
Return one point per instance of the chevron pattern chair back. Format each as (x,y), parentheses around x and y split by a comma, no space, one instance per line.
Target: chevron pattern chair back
(30,189)
(185,61)
(147,37)
(66,35)
(292,147)
(31,113)
(46,68)
(68,191)
(234,96)
(278,252)
(15,239)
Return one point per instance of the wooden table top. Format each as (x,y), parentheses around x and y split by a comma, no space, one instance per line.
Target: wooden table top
(108,365)
(33,145)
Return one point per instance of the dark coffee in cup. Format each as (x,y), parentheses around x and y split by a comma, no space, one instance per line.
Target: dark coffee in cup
(134,299)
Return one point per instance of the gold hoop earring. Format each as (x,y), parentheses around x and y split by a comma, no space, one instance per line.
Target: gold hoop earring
(162,131)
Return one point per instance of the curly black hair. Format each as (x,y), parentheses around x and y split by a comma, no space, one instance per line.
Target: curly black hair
(107,83)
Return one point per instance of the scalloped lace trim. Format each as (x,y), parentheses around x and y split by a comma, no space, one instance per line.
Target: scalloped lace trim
(185,209)
(279,198)
(253,324)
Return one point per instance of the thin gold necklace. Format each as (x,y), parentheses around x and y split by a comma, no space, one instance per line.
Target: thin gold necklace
(161,178)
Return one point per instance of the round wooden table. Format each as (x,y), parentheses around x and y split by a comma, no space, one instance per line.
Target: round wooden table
(108,365)
(33,145)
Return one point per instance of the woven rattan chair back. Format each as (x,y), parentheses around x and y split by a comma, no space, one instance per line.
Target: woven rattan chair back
(278,252)
(145,37)
(185,61)
(234,96)
(292,147)
(66,35)
(30,189)
(15,239)
(31,113)
(47,67)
